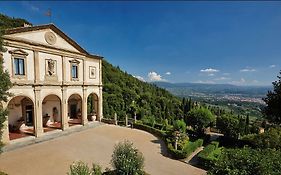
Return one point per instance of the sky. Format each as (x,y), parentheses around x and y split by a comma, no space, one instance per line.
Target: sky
(185,41)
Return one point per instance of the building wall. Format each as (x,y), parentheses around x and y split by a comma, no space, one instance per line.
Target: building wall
(38,85)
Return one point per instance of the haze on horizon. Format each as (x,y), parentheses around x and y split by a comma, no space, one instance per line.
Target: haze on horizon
(205,42)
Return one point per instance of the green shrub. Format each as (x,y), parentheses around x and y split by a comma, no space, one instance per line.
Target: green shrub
(149,120)
(189,148)
(127,160)
(81,168)
(192,146)
(179,125)
(2,173)
(247,161)
(209,155)
(268,139)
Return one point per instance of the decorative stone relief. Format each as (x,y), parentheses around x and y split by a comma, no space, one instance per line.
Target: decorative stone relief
(50,38)
(92,72)
(51,70)
(51,67)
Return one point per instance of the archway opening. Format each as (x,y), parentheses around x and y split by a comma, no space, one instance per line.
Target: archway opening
(20,117)
(74,110)
(92,107)
(51,113)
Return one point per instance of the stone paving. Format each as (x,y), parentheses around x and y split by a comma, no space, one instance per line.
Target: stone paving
(94,145)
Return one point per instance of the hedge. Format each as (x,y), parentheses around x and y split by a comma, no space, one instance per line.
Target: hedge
(154,131)
(108,121)
(189,148)
(209,155)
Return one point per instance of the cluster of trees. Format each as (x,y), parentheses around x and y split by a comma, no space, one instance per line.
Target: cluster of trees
(261,152)
(124,94)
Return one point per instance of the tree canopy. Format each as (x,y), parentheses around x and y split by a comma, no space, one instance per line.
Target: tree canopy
(200,118)
(272,110)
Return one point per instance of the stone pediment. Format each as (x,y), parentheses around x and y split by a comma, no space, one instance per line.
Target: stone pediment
(48,35)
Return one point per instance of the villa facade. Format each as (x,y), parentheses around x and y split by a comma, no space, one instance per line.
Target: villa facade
(56,83)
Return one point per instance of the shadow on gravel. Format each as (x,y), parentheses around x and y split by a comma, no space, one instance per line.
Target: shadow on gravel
(163,147)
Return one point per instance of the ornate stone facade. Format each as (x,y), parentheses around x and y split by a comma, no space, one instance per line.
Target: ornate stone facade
(54,80)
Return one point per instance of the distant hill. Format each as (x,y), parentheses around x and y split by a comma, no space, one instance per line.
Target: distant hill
(186,89)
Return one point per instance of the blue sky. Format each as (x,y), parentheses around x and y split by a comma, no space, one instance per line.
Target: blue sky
(214,42)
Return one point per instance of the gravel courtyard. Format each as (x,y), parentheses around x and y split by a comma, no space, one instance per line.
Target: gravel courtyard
(94,145)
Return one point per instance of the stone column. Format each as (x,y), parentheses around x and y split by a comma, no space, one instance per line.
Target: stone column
(84,106)
(115,119)
(100,112)
(36,67)
(5,132)
(38,112)
(64,109)
(126,120)
(135,117)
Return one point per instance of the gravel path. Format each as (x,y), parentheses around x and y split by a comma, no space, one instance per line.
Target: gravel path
(93,145)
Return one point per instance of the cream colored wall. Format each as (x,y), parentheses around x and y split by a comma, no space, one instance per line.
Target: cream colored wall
(94,63)
(26,91)
(39,37)
(15,112)
(42,65)
(8,65)
(68,69)
(93,89)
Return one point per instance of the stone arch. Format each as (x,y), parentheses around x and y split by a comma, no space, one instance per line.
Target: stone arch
(20,115)
(75,108)
(51,111)
(93,107)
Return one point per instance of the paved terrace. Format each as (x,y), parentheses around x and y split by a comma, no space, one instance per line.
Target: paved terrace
(94,145)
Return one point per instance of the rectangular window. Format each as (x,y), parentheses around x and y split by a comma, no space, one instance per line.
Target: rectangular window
(74,71)
(19,66)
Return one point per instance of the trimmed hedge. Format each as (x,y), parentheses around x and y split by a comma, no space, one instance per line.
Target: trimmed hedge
(189,148)
(209,155)
(154,131)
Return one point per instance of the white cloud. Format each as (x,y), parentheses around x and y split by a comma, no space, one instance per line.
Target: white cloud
(221,78)
(272,66)
(255,81)
(168,73)
(248,70)
(153,76)
(139,77)
(211,75)
(226,74)
(209,70)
